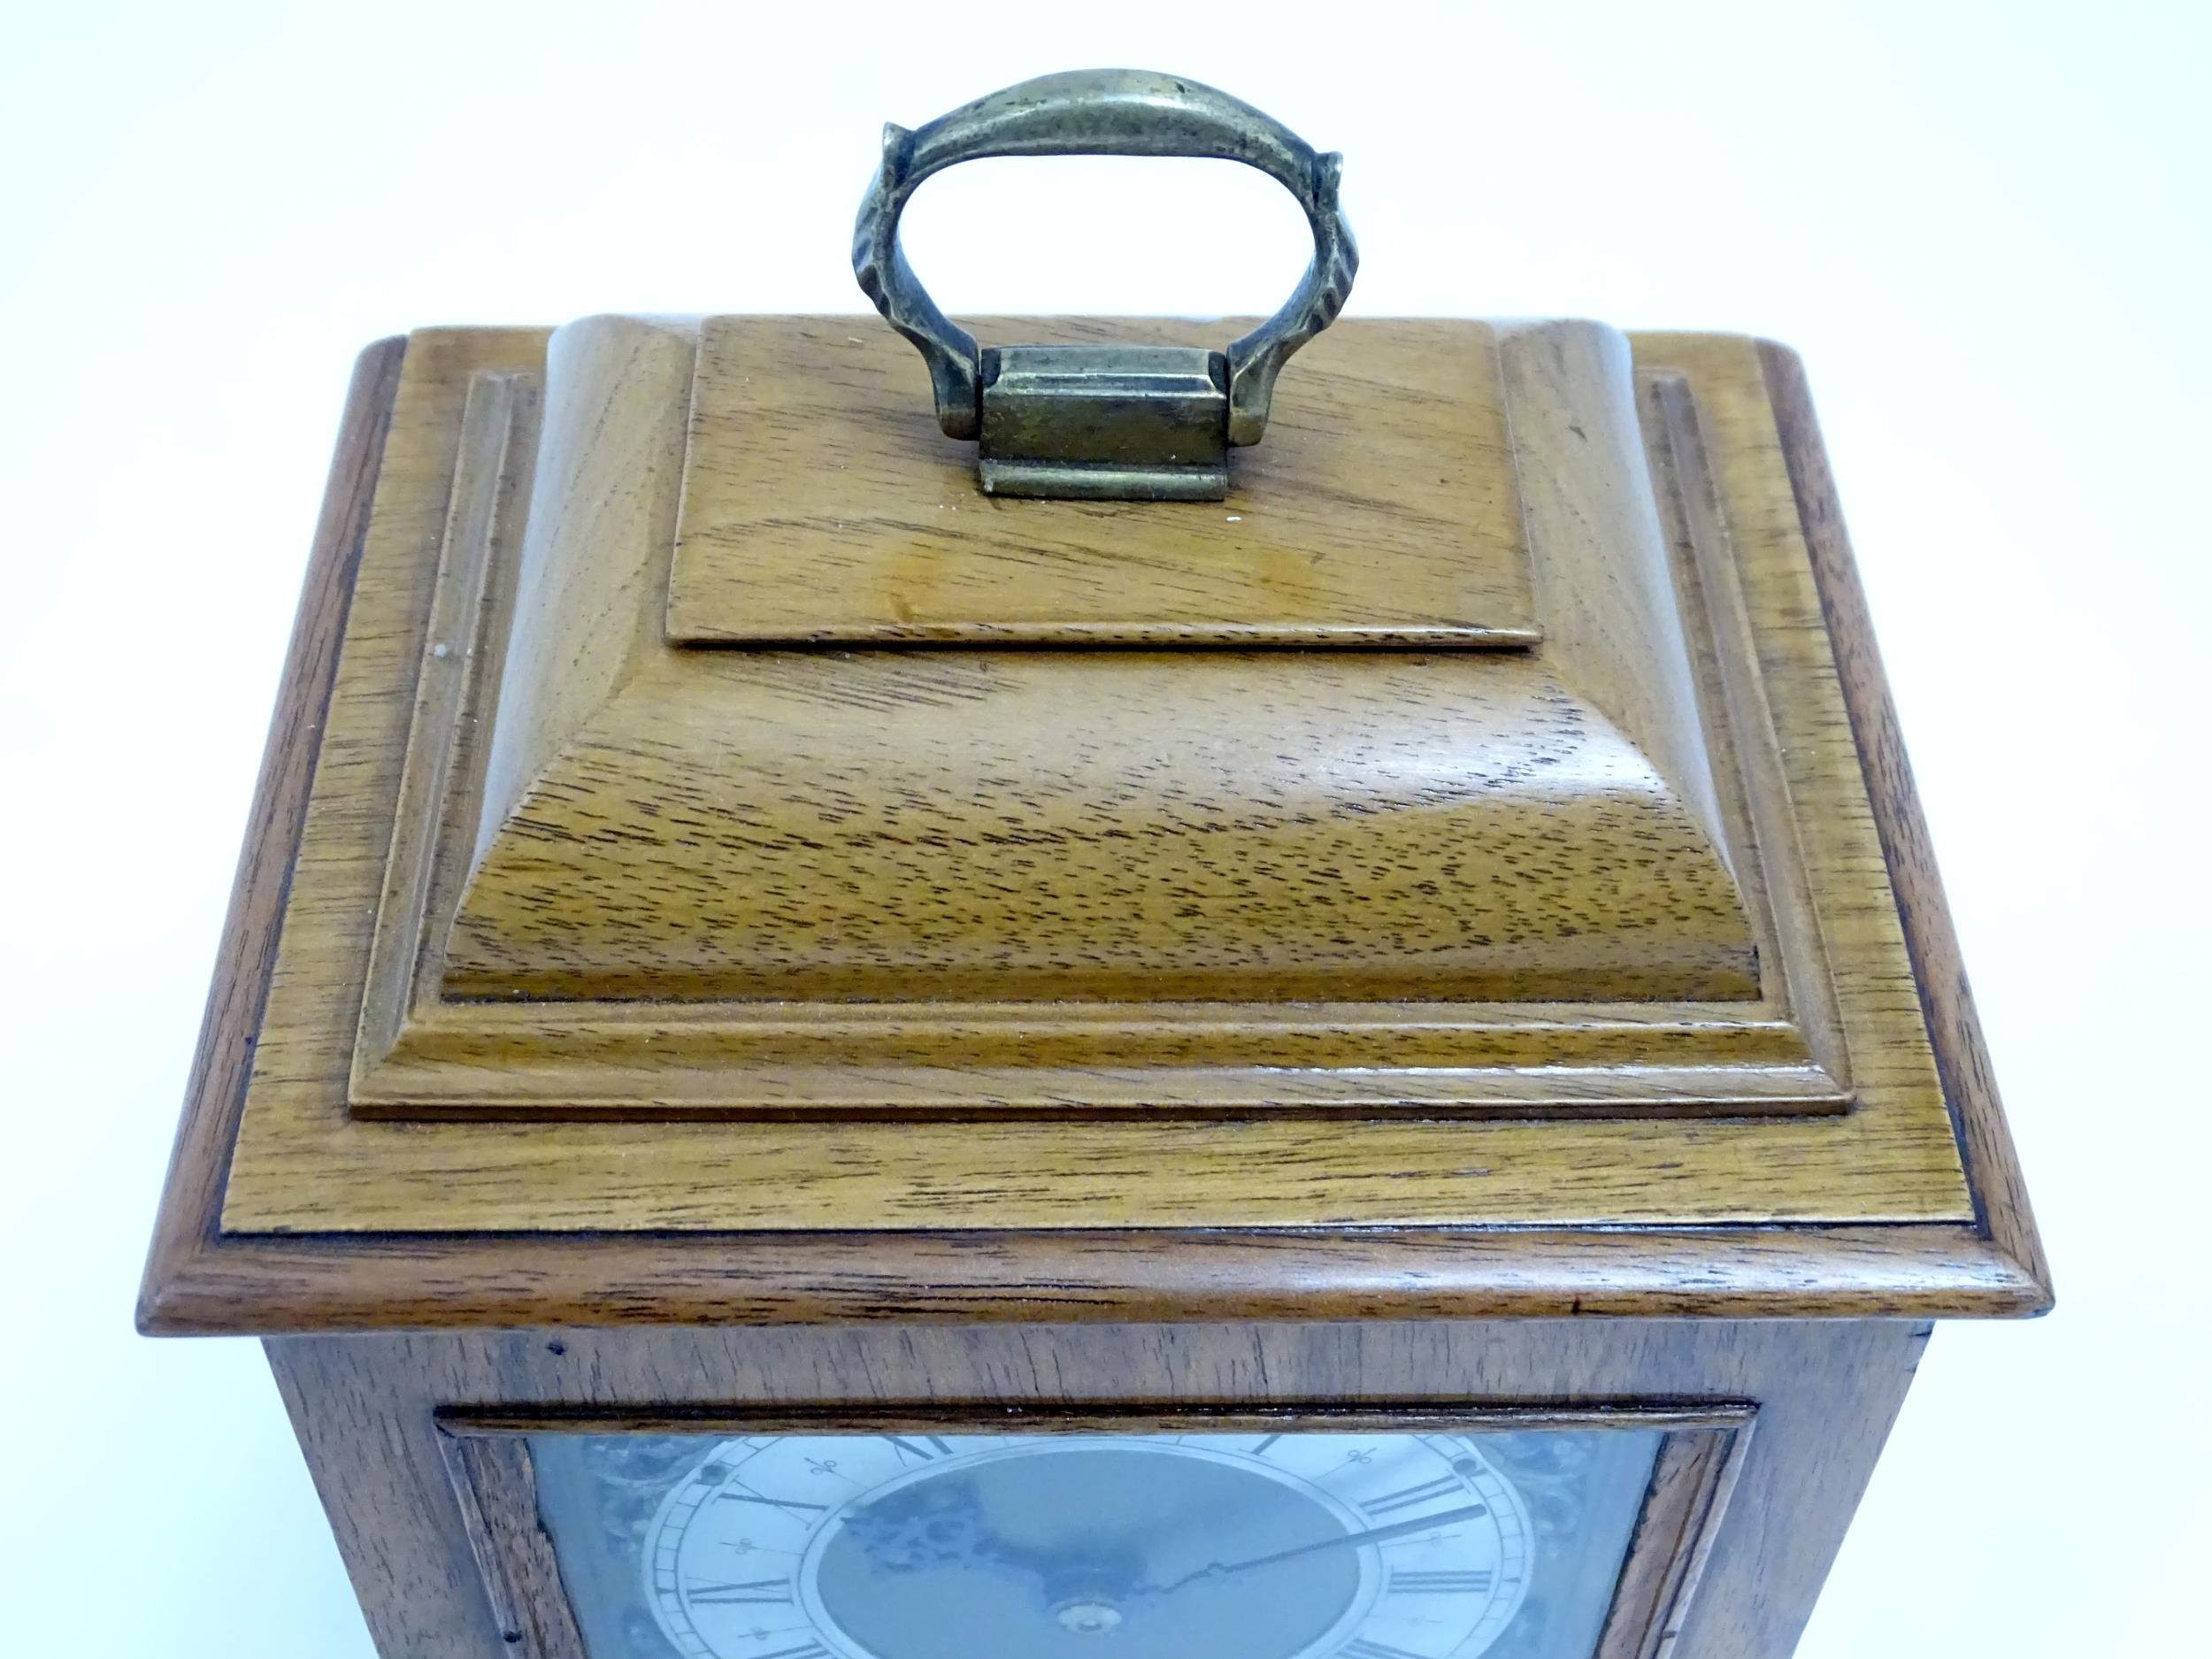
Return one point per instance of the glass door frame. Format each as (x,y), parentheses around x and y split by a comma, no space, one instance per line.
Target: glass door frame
(1701,1451)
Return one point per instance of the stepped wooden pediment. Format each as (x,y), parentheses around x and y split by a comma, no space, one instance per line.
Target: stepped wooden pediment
(1430,771)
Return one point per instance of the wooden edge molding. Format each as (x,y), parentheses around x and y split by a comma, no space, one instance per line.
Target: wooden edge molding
(278,1284)
(199,1281)
(495,1486)
(1969,1086)
(1690,1479)
(1097,1416)
(188,1224)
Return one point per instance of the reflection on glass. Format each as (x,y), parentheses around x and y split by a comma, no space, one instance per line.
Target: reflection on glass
(1322,1545)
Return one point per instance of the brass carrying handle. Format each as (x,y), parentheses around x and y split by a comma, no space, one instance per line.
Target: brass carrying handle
(1103,113)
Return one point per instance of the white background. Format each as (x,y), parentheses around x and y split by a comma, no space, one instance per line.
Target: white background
(1985,226)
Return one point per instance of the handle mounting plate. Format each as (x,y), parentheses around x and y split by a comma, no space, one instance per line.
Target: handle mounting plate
(1105,422)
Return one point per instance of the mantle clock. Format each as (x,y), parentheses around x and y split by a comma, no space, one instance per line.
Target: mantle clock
(1094,996)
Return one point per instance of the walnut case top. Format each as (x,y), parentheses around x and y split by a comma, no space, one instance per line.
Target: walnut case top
(711,822)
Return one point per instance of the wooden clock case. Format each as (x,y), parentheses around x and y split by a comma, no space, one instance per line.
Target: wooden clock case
(739,928)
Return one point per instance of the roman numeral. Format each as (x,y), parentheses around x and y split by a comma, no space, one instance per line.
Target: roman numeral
(815,1650)
(1405,1583)
(1443,1486)
(793,1505)
(1260,1449)
(753,1590)
(1365,1649)
(921,1449)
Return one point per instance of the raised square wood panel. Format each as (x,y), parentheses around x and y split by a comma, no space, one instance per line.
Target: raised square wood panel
(820,502)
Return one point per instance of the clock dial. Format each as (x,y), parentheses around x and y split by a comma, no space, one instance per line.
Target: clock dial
(1492,1543)
(1303,1546)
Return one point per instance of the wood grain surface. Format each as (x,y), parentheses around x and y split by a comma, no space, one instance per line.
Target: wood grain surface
(1949,1260)
(821,504)
(463,659)
(659,824)
(305,1162)
(1099,826)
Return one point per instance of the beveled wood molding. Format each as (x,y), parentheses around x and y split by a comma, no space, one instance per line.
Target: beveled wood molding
(201,1279)
(233,1284)
(463,655)
(1099,1417)
(495,1485)
(1691,1482)
(188,1223)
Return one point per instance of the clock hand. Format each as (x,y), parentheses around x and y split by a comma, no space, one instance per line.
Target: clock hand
(1344,1540)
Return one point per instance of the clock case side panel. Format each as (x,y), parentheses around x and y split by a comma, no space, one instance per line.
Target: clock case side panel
(417,1442)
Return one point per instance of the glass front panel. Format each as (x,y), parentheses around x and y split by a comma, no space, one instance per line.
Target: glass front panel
(1215,1544)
